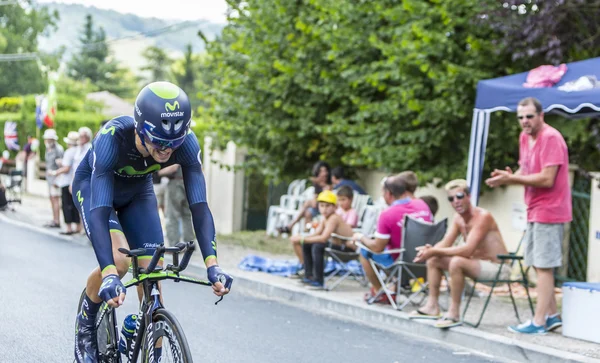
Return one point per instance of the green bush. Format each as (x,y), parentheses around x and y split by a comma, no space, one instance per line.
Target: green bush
(10,104)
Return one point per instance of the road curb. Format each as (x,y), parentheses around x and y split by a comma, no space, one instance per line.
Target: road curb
(473,339)
(41,230)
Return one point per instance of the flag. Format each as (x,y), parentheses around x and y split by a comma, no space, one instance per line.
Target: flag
(51,103)
(39,114)
(10,135)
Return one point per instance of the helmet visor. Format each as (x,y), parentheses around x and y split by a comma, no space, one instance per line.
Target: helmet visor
(161,143)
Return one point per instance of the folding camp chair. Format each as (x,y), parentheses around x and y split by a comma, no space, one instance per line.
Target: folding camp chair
(343,257)
(504,259)
(415,233)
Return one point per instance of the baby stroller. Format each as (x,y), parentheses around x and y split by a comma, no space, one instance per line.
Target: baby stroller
(13,188)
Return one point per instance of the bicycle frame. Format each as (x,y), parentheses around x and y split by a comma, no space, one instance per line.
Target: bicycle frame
(149,278)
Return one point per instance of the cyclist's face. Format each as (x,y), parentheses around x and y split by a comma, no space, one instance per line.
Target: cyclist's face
(159,155)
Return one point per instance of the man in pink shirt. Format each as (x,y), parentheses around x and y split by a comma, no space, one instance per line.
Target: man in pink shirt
(544,172)
(389,228)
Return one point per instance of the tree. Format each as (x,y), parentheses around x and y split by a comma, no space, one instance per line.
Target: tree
(158,63)
(94,62)
(386,85)
(185,71)
(20,26)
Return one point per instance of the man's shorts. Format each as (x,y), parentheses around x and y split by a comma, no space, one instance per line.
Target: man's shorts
(543,244)
(383,259)
(54,191)
(135,214)
(489,270)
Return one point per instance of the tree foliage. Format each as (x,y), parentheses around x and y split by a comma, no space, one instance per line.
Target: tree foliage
(20,26)
(157,63)
(93,62)
(384,84)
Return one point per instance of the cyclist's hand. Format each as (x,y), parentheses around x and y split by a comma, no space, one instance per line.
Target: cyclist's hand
(220,280)
(112,291)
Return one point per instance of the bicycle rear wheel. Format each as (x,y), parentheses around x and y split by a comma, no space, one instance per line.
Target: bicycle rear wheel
(169,334)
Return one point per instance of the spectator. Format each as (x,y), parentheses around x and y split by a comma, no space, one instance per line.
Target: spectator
(53,152)
(64,176)
(476,258)
(544,172)
(177,209)
(84,144)
(389,228)
(412,182)
(338,178)
(27,153)
(312,248)
(345,194)
(321,180)
(432,203)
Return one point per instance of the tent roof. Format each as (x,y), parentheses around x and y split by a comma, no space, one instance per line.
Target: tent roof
(504,93)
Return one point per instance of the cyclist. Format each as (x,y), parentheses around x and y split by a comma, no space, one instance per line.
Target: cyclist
(112,190)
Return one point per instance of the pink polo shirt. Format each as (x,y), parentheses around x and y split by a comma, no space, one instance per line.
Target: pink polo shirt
(546,205)
(389,224)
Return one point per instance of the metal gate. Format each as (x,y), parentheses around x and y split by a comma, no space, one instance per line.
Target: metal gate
(579,233)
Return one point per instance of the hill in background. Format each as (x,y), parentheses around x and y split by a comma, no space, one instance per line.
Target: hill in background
(118,25)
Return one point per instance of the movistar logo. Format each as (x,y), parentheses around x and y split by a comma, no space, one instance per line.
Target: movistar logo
(79,198)
(109,129)
(173,107)
(214,245)
(129,170)
(170,108)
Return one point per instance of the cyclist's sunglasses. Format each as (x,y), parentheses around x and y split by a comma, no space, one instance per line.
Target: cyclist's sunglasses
(162,144)
(529,117)
(458,196)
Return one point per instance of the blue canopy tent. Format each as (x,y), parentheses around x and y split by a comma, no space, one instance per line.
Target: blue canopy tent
(504,93)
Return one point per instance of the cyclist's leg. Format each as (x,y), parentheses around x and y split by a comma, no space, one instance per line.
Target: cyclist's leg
(141,224)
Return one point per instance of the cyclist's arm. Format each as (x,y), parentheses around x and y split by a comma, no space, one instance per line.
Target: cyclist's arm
(195,188)
(105,156)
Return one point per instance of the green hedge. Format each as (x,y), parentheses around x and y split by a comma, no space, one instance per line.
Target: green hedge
(11,104)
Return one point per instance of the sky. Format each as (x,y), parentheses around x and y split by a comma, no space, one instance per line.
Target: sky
(213,10)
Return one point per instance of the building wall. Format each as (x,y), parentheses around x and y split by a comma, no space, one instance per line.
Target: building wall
(225,187)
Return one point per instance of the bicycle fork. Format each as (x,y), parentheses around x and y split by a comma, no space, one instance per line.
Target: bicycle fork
(145,324)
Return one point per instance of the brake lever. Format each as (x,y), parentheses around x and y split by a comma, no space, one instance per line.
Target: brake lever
(222,280)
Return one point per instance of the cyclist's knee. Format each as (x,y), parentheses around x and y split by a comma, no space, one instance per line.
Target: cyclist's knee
(122,263)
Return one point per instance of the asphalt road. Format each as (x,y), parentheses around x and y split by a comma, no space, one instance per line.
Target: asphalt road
(42,277)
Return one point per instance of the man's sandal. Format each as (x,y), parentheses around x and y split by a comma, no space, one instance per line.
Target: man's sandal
(446,323)
(418,314)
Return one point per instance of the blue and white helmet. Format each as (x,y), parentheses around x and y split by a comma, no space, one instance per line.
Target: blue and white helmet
(162,115)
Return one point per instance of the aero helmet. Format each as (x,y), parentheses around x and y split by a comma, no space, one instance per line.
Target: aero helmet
(162,115)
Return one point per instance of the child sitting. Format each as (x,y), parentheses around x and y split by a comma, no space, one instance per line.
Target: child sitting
(431,202)
(312,248)
(345,194)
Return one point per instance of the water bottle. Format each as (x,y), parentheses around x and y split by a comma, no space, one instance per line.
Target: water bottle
(127,333)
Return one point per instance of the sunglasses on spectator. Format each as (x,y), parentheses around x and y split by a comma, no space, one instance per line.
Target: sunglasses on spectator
(529,117)
(458,196)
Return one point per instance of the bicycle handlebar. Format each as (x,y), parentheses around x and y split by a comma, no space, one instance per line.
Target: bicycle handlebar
(158,253)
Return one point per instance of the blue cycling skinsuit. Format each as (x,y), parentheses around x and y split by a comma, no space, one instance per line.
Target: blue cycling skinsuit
(113,192)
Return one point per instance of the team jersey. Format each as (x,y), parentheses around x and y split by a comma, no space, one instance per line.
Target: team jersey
(117,172)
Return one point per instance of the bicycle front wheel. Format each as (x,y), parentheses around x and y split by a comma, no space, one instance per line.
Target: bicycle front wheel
(169,335)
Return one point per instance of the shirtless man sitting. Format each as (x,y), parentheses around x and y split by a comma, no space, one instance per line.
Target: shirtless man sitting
(313,246)
(477,258)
